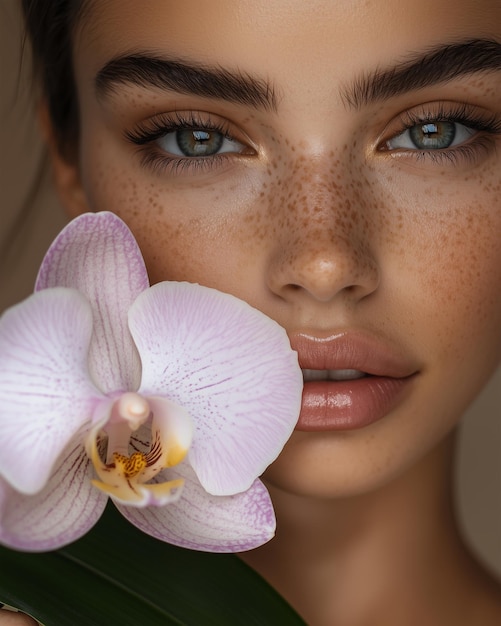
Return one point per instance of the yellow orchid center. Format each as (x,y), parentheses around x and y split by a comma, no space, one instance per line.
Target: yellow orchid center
(131,465)
(125,472)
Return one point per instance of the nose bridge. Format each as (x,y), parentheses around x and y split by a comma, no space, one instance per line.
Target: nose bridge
(325,243)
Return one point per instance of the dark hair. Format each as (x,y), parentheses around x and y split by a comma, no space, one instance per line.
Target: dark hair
(50,25)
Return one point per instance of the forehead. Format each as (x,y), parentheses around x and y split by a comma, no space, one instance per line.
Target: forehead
(344,34)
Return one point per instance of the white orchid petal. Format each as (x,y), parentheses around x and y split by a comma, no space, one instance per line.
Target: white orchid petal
(231,367)
(200,521)
(63,511)
(97,254)
(46,395)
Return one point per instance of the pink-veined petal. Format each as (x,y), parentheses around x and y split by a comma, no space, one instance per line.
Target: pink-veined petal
(97,254)
(200,521)
(231,367)
(46,395)
(63,511)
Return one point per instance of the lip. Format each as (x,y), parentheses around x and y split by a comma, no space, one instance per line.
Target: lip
(351,404)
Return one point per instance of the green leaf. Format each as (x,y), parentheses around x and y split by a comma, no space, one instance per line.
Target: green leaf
(118,575)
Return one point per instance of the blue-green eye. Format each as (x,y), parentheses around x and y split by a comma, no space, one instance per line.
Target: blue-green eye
(197,142)
(433,135)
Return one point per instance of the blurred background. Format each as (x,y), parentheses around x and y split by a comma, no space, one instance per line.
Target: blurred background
(31,216)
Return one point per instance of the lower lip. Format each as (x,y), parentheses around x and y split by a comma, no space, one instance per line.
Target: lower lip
(349,404)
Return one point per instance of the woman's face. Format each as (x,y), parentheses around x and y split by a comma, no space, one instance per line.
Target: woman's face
(337,164)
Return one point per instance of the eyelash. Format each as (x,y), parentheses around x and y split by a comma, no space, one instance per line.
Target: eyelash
(486,127)
(145,135)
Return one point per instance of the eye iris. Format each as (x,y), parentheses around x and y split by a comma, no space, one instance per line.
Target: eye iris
(433,135)
(198,142)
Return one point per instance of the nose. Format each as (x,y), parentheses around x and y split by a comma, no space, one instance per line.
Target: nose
(323,250)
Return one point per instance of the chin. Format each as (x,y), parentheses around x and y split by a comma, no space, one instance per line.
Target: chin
(344,465)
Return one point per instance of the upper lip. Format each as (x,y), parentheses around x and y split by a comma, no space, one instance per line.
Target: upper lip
(352,350)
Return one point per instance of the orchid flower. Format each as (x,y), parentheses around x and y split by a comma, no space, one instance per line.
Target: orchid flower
(171,400)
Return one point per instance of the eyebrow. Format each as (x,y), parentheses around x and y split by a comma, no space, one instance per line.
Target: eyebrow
(147,70)
(437,65)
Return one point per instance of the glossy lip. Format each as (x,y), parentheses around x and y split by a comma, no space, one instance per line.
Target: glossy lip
(350,404)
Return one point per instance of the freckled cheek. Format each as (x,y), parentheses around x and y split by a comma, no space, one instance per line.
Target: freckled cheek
(456,271)
(205,234)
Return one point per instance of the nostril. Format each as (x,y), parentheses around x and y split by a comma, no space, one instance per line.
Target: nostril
(321,263)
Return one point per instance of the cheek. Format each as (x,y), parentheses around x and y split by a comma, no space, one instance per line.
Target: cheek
(464,269)
(202,234)
(450,268)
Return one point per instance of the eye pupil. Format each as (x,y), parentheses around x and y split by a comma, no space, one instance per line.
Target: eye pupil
(433,135)
(198,142)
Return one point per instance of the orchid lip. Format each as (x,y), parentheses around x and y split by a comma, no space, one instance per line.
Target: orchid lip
(334,375)
(125,468)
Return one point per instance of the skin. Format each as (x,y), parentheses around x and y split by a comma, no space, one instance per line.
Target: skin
(7,618)
(321,226)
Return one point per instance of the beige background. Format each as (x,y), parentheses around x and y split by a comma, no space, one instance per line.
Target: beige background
(29,221)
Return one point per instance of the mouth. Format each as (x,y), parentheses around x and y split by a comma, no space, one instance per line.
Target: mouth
(310,374)
(351,380)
